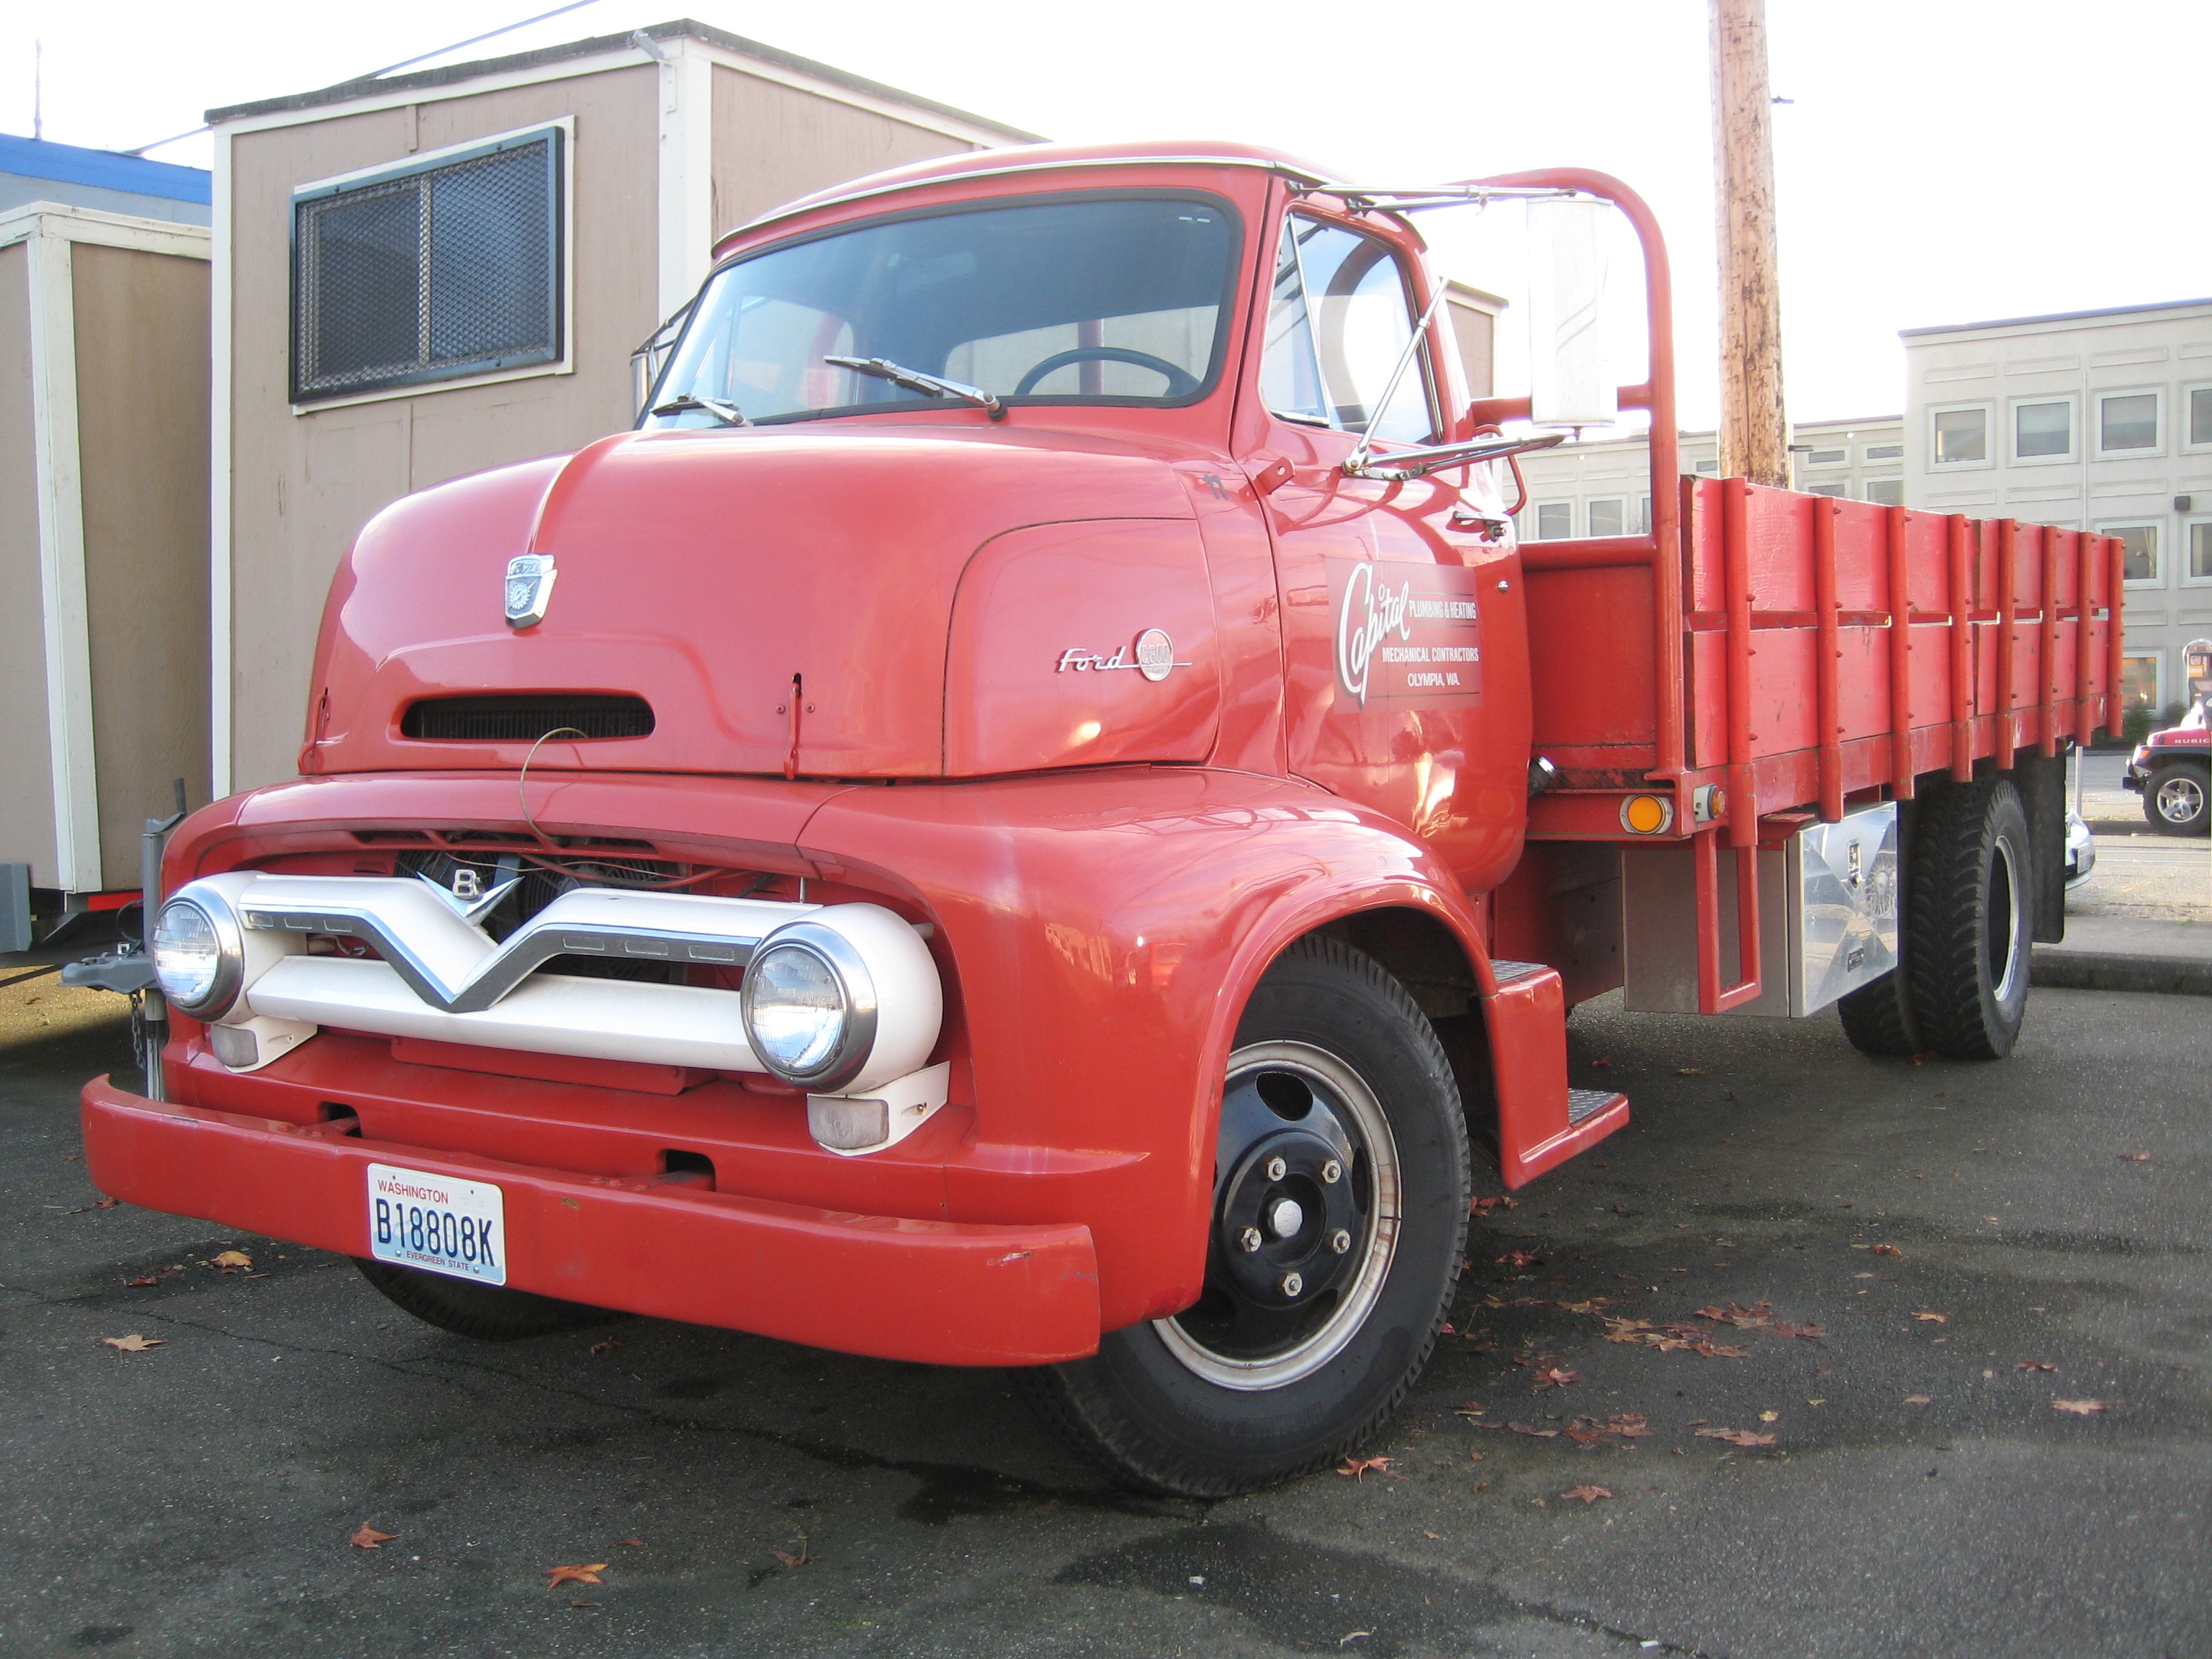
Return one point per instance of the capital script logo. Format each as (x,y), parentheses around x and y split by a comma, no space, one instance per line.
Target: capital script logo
(1371,614)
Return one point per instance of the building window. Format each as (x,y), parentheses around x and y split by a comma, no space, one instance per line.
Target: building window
(1887,492)
(445,268)
(2127,424)
(1709,466)
(2139,565)
(2199,398)
(1841,487)
(2043,431)
(1555,521)
(1643,515)
(2200,550)
(2139,679)
(1828,457)
(1606,519)
(1885,451)
(1962,436)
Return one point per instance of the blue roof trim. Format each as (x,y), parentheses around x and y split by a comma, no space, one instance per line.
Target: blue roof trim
(38,158)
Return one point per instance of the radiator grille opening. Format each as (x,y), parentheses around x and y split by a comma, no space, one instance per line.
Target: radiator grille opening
(525,718)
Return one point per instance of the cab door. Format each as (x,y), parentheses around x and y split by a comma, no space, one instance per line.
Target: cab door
(1405,661)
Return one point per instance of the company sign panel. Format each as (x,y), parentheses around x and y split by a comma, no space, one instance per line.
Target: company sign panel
(1405,634)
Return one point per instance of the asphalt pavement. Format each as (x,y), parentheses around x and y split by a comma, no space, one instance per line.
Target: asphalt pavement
(1968,1304)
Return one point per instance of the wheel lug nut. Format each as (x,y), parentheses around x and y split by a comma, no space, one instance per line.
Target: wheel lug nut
(1331,1173)
(1290,1283)
(1340,1240)
(1249,1239)
(1277,1169)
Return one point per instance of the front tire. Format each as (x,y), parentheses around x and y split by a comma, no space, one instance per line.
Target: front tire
(488,1313)
(1972,913)
(2174,800)
(1340,1214)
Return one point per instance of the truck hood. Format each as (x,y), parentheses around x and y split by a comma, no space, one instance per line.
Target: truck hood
(782,600)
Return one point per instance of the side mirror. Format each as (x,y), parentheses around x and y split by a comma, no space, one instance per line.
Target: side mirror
(1568,385)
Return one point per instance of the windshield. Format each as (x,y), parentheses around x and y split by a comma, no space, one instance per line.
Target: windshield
(1093,299)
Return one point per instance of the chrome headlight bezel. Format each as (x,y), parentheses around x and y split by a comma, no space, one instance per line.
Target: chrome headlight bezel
(222,991)
(856,988)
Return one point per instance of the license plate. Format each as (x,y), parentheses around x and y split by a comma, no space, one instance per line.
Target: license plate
(434,1221)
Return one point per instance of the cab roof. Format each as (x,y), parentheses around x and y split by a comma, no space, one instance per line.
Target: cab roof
(1040,158)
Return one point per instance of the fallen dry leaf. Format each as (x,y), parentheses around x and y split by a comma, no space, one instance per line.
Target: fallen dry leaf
(791,1560)
(1917,1400)
(1689,1071)
(584,1573)
(1356,1468)
(228,1260)
(1770,1416)
(1483,1205)
(1737,1436)
(1933,1318)
(607,1347)
(634,1543)
(1588,1494)
(134,1343)
(145,1278)
(368,1537)
(1554,1377)
(1888,1249)
(2135,1158)
(2035,1365)
(2083,1407)
(1521,1259)
(1532,1430)
(1810,1333)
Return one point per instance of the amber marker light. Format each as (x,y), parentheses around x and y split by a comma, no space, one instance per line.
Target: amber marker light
(1646,815)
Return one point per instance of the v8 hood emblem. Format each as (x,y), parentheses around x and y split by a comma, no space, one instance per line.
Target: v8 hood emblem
(529,589)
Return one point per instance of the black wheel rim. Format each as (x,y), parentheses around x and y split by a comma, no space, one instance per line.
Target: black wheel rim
(1306,1214)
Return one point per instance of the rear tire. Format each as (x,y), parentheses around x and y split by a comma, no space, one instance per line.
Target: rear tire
(1972,910)
(2174,800)
(1878,1017)
(1247,1388)
(490,1313)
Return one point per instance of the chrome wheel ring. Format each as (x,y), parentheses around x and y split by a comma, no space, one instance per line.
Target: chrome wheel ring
(2008,948)
(1342,1106)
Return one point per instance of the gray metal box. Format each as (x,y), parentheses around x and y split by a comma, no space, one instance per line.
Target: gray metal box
(1827,914)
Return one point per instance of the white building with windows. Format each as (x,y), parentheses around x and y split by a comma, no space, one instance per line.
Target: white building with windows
(1602,486)
(2090,420)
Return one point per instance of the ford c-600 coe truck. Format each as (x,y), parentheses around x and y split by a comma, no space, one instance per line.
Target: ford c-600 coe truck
(1035,809)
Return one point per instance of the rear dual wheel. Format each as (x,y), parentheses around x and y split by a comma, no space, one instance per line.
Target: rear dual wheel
(1964,936)
(1339,1214)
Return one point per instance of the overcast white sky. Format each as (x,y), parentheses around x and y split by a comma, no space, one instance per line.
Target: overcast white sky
(1944,160)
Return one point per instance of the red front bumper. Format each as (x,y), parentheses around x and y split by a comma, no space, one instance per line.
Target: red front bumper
(947,1293)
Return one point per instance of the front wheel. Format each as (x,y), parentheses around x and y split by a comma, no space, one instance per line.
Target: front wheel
(488,1313)
(1339,1214)
(2174,800)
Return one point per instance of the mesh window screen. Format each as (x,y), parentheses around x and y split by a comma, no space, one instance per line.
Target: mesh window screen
(451,269)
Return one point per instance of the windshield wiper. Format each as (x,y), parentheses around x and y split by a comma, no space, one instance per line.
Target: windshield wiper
(723,411)
(915,381)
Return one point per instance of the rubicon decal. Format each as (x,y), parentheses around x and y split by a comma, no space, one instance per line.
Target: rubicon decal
(1405,633)
(1151,654)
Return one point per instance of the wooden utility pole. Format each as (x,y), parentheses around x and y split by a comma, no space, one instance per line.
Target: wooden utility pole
(1754,437)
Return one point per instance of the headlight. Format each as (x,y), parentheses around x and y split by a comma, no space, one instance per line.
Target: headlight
(810,1007)
(198,955)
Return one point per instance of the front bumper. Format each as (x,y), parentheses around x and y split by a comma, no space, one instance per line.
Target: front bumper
(939,1293)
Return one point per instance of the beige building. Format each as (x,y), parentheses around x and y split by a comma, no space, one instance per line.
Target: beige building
(103,549)
(2089,419)
(428,274)
(1602,486)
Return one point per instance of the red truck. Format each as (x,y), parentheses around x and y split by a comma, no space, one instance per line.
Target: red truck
(1036,809)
